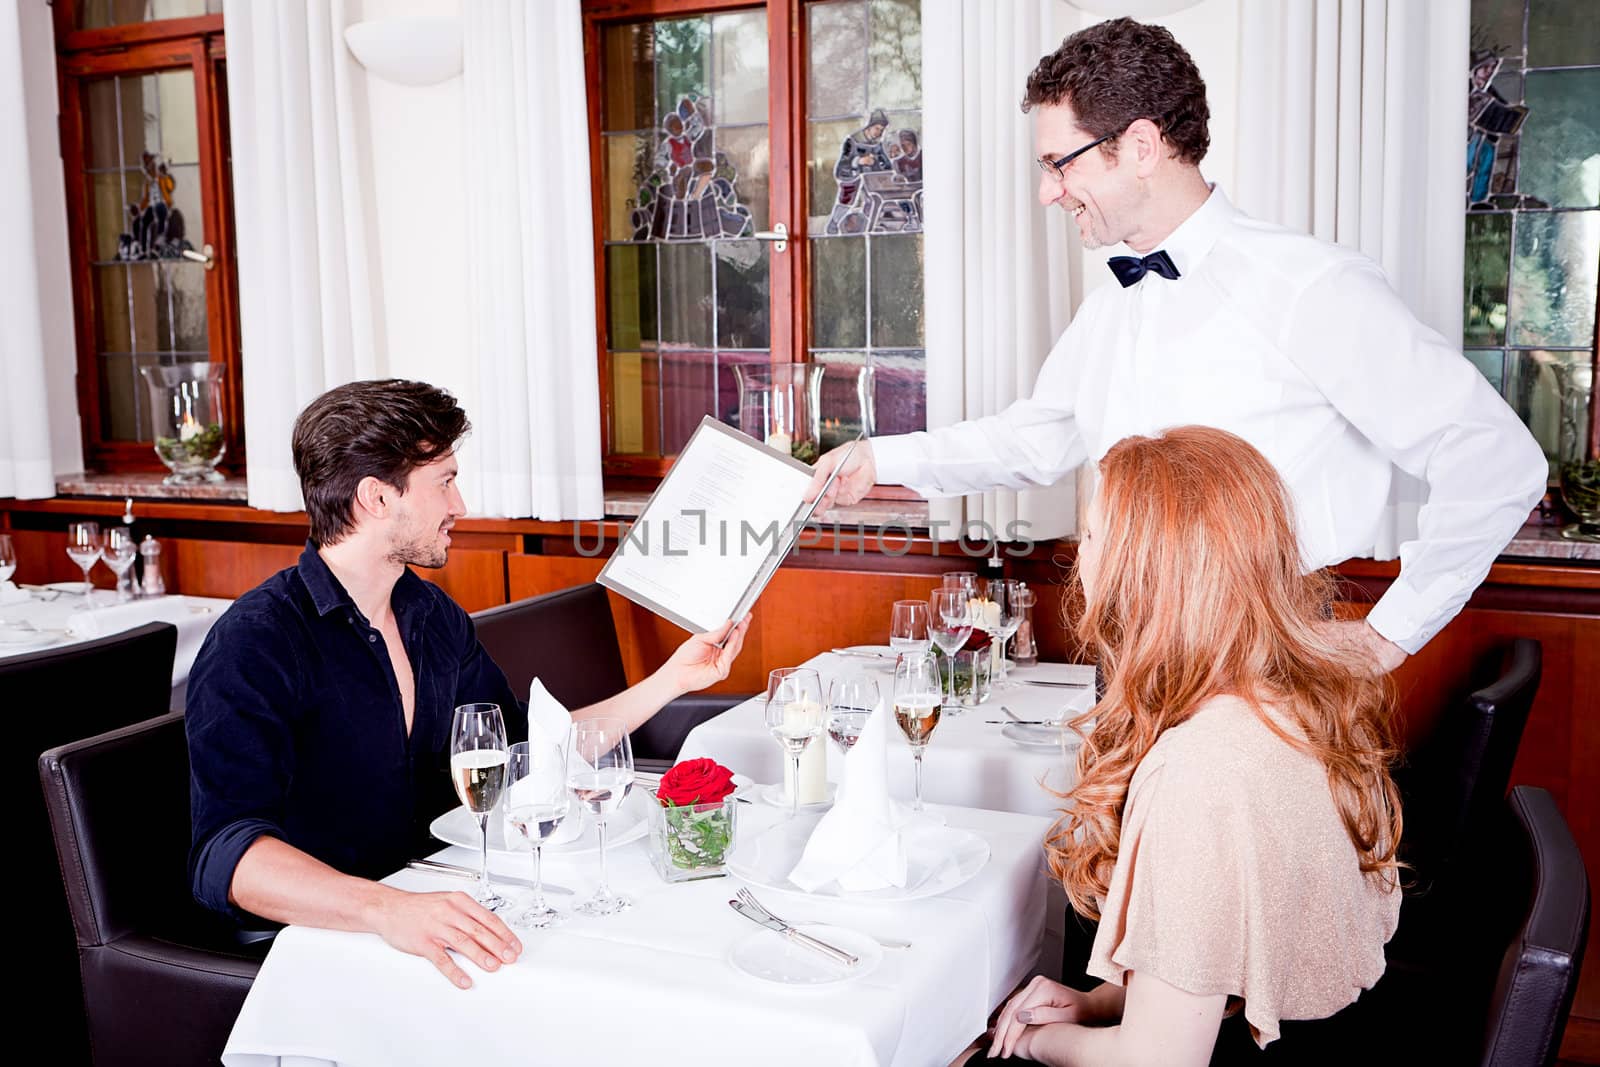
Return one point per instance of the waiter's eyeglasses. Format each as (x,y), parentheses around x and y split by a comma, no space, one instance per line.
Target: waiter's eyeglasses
(1057,168)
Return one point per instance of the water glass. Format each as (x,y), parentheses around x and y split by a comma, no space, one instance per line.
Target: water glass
(83,548)
(967,580)
(120,552)
(537,801)
(969,677)
(478,758)
(600,773)
(794,716)
(851,702)
(950,619)
(908,626)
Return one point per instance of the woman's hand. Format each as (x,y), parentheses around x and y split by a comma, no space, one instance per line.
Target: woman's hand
(698,662)
(1041,1001)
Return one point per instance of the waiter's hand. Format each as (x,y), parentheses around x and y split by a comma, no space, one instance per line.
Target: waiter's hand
(859,476)
(1380,652)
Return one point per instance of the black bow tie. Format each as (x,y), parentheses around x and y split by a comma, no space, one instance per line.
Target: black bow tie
(1130,269)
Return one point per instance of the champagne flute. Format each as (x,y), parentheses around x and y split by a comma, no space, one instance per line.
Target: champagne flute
(537,800)
(950,618)
(478,758)
(8,558)
(600,772)
(119,555)
(83,548)
(851,702)
(918,698)
(794,715)
(908,626)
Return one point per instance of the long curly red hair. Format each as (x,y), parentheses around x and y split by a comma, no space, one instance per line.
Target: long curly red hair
(1199,591)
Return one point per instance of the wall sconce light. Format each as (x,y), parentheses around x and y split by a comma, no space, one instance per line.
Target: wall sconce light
(409,50)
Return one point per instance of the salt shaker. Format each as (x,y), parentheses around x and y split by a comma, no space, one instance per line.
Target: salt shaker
(150,563)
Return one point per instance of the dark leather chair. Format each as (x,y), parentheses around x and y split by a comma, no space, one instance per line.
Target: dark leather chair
(568,640)
(50,697)
(163,979)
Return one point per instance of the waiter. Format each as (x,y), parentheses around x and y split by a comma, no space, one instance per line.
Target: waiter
(1296,345)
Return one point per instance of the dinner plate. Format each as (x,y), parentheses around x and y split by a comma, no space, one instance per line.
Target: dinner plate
(24,639)
(768,955)
(881,656)
(939,858)
(458,826)
(1028,736)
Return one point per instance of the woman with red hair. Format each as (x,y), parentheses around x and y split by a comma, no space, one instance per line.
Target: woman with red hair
(1234,822)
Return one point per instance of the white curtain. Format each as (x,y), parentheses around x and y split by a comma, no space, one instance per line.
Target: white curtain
(39,430)
(1352,118)
(536,447)
(1000,272)
(309,296)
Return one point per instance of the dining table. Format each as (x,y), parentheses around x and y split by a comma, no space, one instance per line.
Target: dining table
(670,980)
(58,616)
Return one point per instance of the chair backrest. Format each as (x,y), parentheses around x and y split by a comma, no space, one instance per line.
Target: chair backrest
(1455,782)
(1539,972)
(566,639)
(50,697)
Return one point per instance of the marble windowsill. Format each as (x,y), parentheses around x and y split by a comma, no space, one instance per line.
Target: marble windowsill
(1546,542)
(149,487)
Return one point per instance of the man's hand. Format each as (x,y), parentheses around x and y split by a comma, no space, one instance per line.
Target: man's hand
(857,478)
(427,924)
(698,662)
(1041,1001)
(1354,634)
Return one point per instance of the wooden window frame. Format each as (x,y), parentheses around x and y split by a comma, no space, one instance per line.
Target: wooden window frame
(134,49)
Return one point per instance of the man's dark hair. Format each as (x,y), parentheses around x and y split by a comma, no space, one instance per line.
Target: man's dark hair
(1114,73)
(380,429)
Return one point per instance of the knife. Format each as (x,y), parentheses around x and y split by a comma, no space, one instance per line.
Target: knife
(1053,685)
(436,867)
(837,955)
(858,652)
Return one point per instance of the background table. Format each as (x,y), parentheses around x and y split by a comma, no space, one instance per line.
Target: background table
(653,985)
(968,763)
(192,615)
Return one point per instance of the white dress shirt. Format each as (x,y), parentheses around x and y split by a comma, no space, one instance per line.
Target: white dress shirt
(1301,348)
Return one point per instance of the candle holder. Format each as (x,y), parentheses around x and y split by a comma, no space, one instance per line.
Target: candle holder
(779,405)
(186,406)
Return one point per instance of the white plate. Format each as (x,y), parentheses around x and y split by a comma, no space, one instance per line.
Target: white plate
(1042,737)
(880,656)
(768,955)
(17,639)
(764,860)
(777,797)
(458,826)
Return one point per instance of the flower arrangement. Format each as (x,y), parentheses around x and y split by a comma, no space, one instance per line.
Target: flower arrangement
(694,832)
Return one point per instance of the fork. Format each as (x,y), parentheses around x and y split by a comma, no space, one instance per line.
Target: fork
(761,910)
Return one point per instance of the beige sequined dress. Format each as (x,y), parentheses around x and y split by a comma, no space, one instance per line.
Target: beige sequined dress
(1235,875)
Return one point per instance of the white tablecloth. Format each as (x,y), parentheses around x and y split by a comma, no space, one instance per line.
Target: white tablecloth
(192,615)
(969,763)
(653,985)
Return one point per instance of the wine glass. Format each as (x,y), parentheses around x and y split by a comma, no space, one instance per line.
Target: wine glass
(794,715)
(950,619)
(967,580)
(478,758)
(83,548)
(600,772)
(908,626)
(537,800)
(851,702)
(918,698)
(8,558)
(1008,595)
(119,555)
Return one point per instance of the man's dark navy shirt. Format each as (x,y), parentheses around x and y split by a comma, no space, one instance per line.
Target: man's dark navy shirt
(296,729)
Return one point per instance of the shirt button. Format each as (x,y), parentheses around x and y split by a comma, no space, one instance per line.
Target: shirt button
(372,637)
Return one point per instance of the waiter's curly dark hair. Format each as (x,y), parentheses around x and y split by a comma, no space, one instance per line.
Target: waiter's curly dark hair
(1116,72)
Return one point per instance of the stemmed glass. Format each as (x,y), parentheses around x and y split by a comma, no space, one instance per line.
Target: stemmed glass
(950,621)
(794,715)
(851,702)
(478,758)
(537,800)
(119,555)
(918,697)
(600,772)
(1007,595)
(908,626)
(967,580)
(83,548)
(8,558)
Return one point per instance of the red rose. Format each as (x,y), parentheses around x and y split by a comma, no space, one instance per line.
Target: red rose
(977,642)
(698,781)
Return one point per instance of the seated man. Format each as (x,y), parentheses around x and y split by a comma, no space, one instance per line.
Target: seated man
(319,707)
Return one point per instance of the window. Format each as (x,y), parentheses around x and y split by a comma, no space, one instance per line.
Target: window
(1533,214)
(144,151)
(759,215)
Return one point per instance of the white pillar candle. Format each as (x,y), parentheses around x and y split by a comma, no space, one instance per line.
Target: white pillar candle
(802,715)
(781,441)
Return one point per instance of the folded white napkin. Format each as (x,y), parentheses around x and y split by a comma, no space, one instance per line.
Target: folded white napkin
(549,724)
(10,594)
(860,843)
(98,622)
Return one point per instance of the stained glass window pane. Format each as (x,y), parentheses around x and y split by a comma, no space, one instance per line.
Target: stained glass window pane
(896,292)
(685,293)
(743,295)
(1553,278)
(683,61)
(635,404)
(1560,161)
(739,58)
(1491,364)
(631,296)
(1488,264)
(97,14)
(747,151)
(1497,26)
(688,383)
(1540,388)
(629,95)
(838,292)
(626,159)
(901,389)
(836,67)
(894,55)
(1561,33)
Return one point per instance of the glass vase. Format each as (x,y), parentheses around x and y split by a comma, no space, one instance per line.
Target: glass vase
(780,405)
(1577,472)
(693,841)
(186,407)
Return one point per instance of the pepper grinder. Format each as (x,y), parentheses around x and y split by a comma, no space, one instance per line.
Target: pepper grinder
(150,563)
